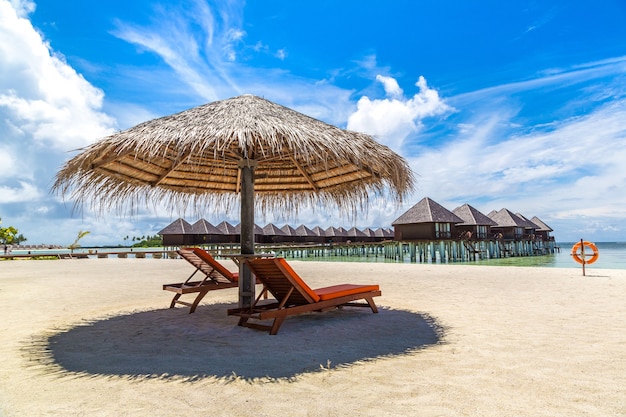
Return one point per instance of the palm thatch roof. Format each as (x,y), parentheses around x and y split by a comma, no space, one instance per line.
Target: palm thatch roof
(384,233)
(272,230)
(289,231)
(203,227)
(335,232)
(355,233)
(227,228)
(506,218)
(369,232)
(177,227)
(427,211)
(541,226)
(472,217)
(192,159)
(529,224)
(319,231)
(304,231)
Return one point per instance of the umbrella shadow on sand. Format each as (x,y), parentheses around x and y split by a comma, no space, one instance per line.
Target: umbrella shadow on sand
(171,343)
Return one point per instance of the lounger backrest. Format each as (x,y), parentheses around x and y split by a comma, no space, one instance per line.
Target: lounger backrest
(203,260)
(206,257)
(278,277)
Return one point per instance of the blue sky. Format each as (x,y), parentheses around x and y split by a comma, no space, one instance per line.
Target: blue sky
(517,104)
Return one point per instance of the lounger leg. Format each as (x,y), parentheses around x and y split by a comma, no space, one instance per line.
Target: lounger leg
(370,301)
(278,321)
(176,297)
(200,296)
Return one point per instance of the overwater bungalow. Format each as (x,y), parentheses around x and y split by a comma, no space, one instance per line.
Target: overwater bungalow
(336,234)
(355,235)
(273,234)
(426,220)
(543,230)
(177,233)
(476,225)
(205,233)
(306,235)
(230,233)
(290,233)
(510,226)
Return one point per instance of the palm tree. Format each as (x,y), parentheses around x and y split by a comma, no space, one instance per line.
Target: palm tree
(75,245)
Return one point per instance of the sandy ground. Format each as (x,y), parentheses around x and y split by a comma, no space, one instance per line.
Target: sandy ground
(95,338)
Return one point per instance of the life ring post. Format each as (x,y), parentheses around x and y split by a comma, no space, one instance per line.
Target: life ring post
(581,257)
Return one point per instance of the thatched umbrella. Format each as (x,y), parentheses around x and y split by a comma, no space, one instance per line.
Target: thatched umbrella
(230,150)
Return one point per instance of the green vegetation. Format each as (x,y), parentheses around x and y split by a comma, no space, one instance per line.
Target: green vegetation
(147,241)
(81,235)
(9,235)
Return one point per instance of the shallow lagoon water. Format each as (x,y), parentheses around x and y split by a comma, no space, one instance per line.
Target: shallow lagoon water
(612,256)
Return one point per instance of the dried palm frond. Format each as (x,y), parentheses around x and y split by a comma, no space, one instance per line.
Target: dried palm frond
(192,159)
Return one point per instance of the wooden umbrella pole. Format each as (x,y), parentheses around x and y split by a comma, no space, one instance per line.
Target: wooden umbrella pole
(246,280)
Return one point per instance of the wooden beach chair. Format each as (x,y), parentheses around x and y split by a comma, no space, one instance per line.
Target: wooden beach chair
(216,277)
(293,296)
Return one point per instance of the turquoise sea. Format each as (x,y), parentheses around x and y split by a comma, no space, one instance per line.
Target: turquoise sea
(612,256)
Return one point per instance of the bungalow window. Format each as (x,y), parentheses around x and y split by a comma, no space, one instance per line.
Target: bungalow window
(442,230)
(519,232)
(481,232)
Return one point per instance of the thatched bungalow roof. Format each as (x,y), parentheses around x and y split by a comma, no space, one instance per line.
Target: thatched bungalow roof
(369,232)
(227,228)
(472,217)
(177,227)
(273,230)
(529,224)
(427,211)
(288,230)
(506,218)
(541,226)
(353,232)
(319,231)
(335,232)
(381,233)
(203,227)
(304,231)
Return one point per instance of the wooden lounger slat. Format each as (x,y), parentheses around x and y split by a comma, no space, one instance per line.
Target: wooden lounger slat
(216,277)
(293,296)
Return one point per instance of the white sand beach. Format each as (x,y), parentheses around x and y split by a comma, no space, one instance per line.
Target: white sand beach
(94,337)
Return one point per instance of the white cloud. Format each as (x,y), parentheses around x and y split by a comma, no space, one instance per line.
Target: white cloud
(23,7)
(574,171)
(281,54)
(392,89)
(42,97)
(393,120)
(23,194)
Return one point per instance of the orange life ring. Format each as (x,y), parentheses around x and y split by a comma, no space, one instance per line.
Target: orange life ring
(578,256)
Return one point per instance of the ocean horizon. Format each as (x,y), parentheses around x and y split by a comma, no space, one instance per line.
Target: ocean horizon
(612,256)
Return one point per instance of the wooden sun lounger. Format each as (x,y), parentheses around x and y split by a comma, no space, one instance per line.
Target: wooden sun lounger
(216,277)
(293,296)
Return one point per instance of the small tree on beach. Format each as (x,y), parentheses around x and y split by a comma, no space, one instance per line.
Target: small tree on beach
(75,245)
(8,235)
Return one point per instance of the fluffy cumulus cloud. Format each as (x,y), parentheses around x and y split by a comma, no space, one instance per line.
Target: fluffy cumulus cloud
(394,119)
(46,109)
(41,97)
